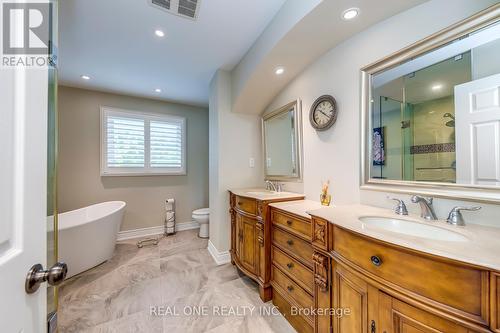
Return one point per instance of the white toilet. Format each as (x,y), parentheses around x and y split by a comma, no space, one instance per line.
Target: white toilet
(202,216)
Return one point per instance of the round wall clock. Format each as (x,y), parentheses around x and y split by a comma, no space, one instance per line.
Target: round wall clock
(323,113)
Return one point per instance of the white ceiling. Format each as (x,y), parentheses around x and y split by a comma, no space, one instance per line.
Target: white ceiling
(316,33)
(418,89)
(113,42)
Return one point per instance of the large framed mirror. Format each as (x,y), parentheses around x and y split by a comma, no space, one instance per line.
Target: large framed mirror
(431,114)
(282,143)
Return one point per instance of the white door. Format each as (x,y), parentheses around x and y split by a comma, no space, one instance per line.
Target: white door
(23,166)
(477,126)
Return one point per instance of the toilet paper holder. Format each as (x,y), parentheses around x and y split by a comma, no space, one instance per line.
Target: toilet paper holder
(169,225)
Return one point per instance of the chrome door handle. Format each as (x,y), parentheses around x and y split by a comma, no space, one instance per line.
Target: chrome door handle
(37,275)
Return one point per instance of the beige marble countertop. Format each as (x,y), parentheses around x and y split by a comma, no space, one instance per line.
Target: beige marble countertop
(263,194)
(299,207)
(481,248)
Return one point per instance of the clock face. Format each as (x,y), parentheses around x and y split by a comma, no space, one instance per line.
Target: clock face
(323,113)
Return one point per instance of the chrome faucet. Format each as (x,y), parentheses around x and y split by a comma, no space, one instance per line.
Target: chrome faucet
(426,209)
(273,186)
(455,217)
(400,209)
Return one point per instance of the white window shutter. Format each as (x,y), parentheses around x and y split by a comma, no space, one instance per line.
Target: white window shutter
(125,142)
(166,144)
(137,143)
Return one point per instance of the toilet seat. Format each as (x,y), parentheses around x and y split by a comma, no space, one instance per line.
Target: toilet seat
(202,211)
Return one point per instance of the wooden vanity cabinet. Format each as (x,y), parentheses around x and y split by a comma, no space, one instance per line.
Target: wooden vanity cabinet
(376,287)
(251,239)
(372,310)
(389,289)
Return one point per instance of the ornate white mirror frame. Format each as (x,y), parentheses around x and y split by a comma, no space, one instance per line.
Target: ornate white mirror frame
(489,194)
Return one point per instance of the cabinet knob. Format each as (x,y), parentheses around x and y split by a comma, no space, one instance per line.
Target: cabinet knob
(376,260)
(290,288)
(289,265)
(289,222)
(240,203)
(289,242)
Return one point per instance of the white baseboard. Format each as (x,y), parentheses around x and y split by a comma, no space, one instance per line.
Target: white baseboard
(220,258)
(154,231)
(186,226)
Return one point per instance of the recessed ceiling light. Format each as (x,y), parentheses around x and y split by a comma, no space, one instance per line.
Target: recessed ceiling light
(159,33)
(350,13)
(158,90)
(279,70)
(437,87)
(85,77)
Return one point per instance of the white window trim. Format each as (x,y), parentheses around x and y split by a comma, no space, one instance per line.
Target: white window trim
(146,170)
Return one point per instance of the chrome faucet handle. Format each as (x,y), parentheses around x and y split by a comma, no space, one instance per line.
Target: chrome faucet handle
(455,217)
(400,209)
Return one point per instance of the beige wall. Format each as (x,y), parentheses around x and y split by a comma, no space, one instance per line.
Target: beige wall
(79,180)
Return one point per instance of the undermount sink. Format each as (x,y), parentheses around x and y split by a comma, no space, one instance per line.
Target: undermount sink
(263,192)
(413,229)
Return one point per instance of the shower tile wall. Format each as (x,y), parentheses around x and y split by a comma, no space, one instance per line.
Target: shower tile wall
(429,128)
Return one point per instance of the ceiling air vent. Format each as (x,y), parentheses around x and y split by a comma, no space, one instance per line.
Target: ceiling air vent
(185,8)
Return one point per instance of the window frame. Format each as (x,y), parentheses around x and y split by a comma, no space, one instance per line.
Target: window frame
(147,170)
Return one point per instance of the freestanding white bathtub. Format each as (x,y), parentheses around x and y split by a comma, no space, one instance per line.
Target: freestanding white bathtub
(87,236)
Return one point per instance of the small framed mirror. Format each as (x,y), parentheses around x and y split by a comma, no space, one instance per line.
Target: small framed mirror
(282,143)
(431,114)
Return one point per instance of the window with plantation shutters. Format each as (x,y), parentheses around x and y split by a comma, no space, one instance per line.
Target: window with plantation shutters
(137,143)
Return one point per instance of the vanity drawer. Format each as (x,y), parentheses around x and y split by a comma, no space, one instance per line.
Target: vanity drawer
(293,246)
(246,204)
(293,225)
(298,272)
(291,289)
(299,322)
(461,287)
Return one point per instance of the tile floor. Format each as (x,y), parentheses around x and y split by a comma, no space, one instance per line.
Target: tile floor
(175,278)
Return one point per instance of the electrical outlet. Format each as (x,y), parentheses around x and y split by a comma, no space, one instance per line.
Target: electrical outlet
(251,162)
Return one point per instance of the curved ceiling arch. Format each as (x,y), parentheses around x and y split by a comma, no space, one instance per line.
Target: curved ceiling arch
(311,33)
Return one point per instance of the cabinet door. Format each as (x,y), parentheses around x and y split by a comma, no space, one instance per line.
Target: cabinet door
(349,292)
(248,249)
(398,317)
